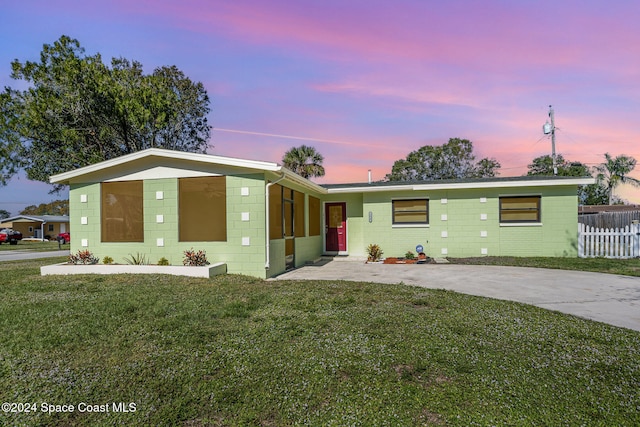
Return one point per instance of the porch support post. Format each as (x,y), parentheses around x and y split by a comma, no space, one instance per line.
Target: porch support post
(267,262)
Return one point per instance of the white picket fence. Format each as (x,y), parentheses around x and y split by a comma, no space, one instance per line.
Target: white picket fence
(609,242)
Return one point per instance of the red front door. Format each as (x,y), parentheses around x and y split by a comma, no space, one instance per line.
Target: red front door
(335,215)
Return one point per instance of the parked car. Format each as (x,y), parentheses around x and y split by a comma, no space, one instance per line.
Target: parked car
(64,237)
(9,235)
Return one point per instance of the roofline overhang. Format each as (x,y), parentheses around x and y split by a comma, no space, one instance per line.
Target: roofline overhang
(65,177)
(371,188)
(40,218)
(257,165)
(30,218)
(303,182)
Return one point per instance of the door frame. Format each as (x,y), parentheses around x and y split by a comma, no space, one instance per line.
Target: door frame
(326,225)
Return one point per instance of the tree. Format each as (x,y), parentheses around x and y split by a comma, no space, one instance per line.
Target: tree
(543,165)
(615,171)
(10,146)
(79,111)
(4,214)
(57,207)
(592,194)
(453,160)
(305,161)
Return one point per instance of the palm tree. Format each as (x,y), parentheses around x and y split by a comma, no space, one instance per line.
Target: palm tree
(305,161)
(615,171)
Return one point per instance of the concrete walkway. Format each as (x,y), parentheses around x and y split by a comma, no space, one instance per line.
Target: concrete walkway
(602,297)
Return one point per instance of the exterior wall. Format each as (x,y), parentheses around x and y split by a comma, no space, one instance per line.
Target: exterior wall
(23,227)
(464,223)
(243,252)
(307,249)
(277,263)
(395,240)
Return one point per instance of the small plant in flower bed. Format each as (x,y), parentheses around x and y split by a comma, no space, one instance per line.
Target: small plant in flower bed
(195,258)
(137,259)
(374,253)
(83,257)
(163,261)
(107,260)
(409,255)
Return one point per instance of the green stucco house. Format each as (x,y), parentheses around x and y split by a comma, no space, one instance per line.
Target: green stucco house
(261,219)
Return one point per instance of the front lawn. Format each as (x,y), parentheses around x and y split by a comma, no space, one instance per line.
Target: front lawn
(240,351)
(626,267)
(33,246)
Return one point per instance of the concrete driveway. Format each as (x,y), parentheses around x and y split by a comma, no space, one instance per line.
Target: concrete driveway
(602,297)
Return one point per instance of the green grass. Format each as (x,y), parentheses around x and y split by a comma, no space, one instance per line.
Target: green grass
(626,267)
(33,246)
(241,351)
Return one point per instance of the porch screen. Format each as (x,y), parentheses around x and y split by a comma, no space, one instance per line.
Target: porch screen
(122,218)
(520,209)
(202,209)
(314,216)
(275,212)
(414,211)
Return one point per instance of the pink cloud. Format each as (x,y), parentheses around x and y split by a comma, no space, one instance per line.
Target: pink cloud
(483,36)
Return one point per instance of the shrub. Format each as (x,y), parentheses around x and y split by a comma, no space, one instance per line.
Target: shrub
(375,253)
(163,261)
(195,258)
(410,255)
(137,259)
(107,260)
(83,257)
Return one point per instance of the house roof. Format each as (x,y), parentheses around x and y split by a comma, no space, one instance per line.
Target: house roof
(450,184)
(37,218)
(147,159)
(161,163)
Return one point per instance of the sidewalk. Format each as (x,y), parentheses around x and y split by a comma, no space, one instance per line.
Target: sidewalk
(20,255)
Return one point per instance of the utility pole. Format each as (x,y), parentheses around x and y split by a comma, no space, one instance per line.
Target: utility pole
(551,129)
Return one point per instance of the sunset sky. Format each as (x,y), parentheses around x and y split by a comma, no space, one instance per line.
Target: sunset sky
(366,82)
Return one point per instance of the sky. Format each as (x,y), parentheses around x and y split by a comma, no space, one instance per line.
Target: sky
(367,82)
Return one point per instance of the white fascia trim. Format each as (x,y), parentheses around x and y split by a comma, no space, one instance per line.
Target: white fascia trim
(160,152)
(25,217)
(505,184)
(369,189)
(309,185)
(464,185)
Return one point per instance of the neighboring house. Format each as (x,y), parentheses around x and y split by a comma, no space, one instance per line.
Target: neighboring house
(37,226)
(261,219)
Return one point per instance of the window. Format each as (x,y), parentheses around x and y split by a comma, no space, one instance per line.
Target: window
(314,216)
(50,227)
(122,212)
(202,209)
(415,211)
(520,209)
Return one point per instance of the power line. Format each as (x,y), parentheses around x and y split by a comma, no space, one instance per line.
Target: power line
(301,138)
